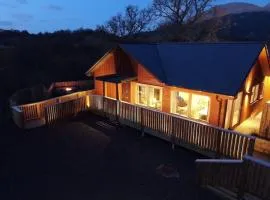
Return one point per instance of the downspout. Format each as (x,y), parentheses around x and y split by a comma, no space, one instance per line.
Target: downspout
(219,100)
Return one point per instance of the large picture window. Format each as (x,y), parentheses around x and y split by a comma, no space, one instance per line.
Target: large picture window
(190,105)
(149,96)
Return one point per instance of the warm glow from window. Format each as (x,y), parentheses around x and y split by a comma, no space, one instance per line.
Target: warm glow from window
(181,103)
(199,107)
(149,96)
(190,105)
(68,89)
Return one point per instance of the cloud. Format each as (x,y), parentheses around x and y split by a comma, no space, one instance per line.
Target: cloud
(54,7)
(22,1)
(23,17)
(5,23)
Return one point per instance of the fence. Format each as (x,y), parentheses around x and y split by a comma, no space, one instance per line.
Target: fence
(203,138)
(36,111)
(60,111)
(247,176)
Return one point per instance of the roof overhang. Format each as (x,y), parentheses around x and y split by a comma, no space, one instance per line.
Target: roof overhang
(116,78)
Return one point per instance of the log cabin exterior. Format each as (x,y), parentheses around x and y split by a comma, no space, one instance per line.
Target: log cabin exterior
(222,84)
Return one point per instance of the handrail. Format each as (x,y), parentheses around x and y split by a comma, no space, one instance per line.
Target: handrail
(258,161)
(51,99)
(218,161)
(247,176)
(204,138)
(190,120)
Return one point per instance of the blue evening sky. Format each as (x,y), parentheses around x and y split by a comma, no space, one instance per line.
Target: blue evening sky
(50,15)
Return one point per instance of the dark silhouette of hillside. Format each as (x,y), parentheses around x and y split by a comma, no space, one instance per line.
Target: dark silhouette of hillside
(31,59)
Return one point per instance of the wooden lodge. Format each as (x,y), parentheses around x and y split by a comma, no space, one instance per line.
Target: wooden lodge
(222,84)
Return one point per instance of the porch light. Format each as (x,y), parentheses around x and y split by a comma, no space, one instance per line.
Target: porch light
(68,89)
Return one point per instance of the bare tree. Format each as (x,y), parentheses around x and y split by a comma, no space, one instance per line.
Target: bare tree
(132,22)
(180,11)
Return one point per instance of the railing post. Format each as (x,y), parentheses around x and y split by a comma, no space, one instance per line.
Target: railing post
(142,122)
(173,138)
(117,112)
(218,143)
(243,178)
(251,146)
(38,110)
(46,116)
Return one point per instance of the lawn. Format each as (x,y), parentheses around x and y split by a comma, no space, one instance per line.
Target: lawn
(89,158)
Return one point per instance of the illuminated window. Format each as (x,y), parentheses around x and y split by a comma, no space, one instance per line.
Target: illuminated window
(261,90)
(255,93)
(181,103)
(142,98)
(199,107)
(190,105)
(149,96)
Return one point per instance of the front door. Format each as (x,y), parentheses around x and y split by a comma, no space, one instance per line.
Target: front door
(237,104)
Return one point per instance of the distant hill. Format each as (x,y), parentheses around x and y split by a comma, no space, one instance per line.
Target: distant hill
(246,26)
(235,8)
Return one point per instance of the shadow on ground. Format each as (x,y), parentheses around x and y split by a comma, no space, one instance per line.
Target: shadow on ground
(88,158)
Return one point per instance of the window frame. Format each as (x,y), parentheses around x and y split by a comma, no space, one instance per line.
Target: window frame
(256,93)
(190,94)
(147,95)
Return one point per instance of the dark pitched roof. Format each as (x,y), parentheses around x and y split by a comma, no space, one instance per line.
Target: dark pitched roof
(213,67)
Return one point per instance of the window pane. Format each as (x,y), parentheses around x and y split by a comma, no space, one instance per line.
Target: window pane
(154,98)
(256,92)
(261,91)
(142,95)
(199,107)
(182,101)
(252,95)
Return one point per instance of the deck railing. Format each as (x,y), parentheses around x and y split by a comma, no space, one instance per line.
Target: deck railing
(36,111)
(247,176)
(61,111)
(204,138)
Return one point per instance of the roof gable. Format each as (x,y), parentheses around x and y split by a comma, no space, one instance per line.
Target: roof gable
(213,67)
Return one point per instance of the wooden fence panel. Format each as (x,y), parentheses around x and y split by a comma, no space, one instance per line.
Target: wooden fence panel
(96,103)
(61,111)
(30,112)
(130,115)
(248,176)
(257,179)
(204,138)
(110,108)
(219,173)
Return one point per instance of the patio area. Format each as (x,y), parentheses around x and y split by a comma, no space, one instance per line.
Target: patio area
(89,158)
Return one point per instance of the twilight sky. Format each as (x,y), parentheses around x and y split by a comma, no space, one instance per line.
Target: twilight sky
(50,15)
